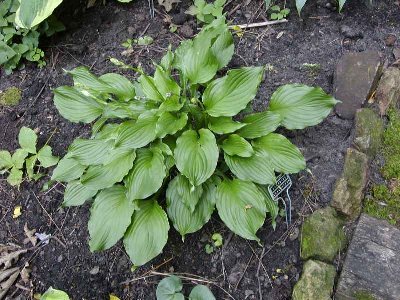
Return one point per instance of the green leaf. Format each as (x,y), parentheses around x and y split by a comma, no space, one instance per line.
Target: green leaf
(259,124)
(46,158)
(5,160)
(15,177)
(271,205)
(256,168)
(236,145)
(196,155)
(223,125)
(6,53)
(77,194)
(75,106)
(190,210)
(201,292)
(299,5)
(228,95)
(150,89)
(30,165)
(300,106)
(105,176)
(84,78)
(242,207)
(147,175)
(31,13)
(281,153)
(18,158)
(148,233)
(91,152)
(27,139)
(133,135)
(167,87)
(223,49)
(119,85)
(170,123)
(67,169)
(53,294)
(169,289)
(110,216)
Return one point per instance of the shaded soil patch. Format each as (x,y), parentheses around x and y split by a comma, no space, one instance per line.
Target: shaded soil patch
(96,35)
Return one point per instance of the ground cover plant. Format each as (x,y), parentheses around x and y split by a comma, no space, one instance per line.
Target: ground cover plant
(169,143)
(171,287)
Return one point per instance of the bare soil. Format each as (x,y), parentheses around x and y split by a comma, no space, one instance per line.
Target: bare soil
(95,35)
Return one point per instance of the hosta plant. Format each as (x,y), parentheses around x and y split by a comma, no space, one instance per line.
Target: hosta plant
(171,146)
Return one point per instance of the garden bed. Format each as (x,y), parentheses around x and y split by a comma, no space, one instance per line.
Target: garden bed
(320,38)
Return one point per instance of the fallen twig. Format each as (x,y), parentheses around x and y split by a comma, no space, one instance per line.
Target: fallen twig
(259,24)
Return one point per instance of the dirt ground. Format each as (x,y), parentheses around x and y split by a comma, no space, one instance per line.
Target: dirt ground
(320,37)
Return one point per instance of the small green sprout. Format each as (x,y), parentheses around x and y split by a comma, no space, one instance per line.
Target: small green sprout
(277,13)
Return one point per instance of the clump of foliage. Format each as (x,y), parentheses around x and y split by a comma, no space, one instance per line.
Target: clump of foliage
(10,96)
(27,155)
(53,294)
(216,243)
(206,12)
(141,41)
(174,137)
(19,34)
(277,13)
(385,200)
(171,288)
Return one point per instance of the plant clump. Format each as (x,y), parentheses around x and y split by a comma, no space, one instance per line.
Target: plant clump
(176,136)
(10,97)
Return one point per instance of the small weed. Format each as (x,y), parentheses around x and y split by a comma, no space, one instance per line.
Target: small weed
(142,41)
(206,12)
(217,242)
(10,97)
(313,69)
(277,13)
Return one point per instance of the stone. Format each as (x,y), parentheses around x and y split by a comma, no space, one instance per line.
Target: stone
(372,265)
(390,40)
(388,91)
(348,192)
(322,235)
(316,281)
(368,132)
(350,32)
(95,270)
(356,77)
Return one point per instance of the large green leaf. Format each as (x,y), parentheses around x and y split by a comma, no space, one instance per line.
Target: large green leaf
(341,3)
(241,206)
(300,4)
(76,193)
(283,155)
(133,135)
(196,155)
(223,125)
(147,174)
(150,89)
(31,13)
(67,169)
(228,95)
(170,123)
(256,168)
(167,86)
(148,233)
(5,160)
(236,145)
(104,176)
(170,289)
(259,124)
(119,85)
(46,157)
(186,217)
(110,216)
(6,53)
(27,139)
(201,292)
(76,107)
(300,106)
(91,152)
(223,48)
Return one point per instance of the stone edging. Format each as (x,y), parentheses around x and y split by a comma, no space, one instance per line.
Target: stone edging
(322,234)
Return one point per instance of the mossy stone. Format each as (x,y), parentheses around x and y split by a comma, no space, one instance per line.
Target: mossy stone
(348,192)
(10,96)
(316,281)
(368,131)
(322,235)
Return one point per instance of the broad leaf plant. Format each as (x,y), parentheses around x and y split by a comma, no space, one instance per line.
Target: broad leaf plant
(172,147)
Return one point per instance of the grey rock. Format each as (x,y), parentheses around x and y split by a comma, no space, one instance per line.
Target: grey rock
(388,91)
(372,266)
(322,235)
(356,77)
(95,270)
(348,192)
(316,282)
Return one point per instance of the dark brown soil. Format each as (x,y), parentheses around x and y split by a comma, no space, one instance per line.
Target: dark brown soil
(96,35)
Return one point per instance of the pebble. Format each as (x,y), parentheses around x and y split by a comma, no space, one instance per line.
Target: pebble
(390,40)
(294,234)
(248,293)
(60,258)
(131,30)
(350,33)
(95,270)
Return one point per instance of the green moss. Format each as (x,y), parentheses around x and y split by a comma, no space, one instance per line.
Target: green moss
(10,97)
(385,200)
(363,295)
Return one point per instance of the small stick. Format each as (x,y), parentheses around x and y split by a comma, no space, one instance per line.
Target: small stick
(259,24)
